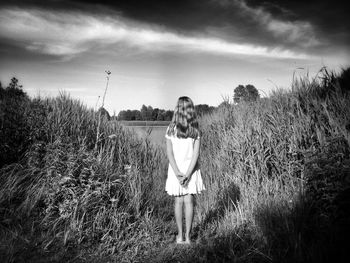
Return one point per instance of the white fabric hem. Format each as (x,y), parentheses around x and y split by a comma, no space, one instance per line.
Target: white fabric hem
(184,193)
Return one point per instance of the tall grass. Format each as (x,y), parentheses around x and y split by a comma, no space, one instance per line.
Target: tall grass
(76,194)
(262,165)
(276,173)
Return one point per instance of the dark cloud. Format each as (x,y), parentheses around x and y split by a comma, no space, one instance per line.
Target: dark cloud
(179,15)
(11,53)
(328,14)
(330,18)
(302,25)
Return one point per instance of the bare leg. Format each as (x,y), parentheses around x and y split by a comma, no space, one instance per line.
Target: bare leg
(179,200)
(189,215)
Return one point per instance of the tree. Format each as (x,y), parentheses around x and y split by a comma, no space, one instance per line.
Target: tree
(104,113)
(15,89)
(147,113)
(160,116)
(239,93)
(144,112)
(14,84)
(155,113)
(202,109)
(121,115)
(128,115)
(168,115)
(136,115)
(14,129)
(245,93)
(253,93)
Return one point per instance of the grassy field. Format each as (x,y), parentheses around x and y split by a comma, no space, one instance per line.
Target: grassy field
(155,134)
(145,123)
(153,131)
(276,171)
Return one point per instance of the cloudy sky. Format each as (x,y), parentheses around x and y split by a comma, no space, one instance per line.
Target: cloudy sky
(159,50)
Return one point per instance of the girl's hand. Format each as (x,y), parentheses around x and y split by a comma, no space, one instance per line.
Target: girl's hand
(186,181)
(180,176)
(182,181)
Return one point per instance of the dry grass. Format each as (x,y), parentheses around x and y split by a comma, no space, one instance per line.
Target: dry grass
(276,173)
(76,195)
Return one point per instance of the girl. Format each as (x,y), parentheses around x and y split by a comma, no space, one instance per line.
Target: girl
(184,177)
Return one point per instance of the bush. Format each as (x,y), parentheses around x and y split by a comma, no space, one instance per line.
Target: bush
(14,131)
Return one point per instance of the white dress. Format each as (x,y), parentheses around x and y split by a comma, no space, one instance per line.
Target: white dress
(183,151)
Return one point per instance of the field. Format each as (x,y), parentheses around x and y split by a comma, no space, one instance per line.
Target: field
(145,123)
(276,172)
(155,134)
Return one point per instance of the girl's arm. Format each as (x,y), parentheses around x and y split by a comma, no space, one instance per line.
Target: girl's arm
(193,160)
(170,154)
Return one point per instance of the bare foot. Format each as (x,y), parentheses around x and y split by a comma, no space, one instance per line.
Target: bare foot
(187,241)
(179,240)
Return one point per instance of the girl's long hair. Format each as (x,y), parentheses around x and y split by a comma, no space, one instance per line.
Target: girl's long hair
(184,123)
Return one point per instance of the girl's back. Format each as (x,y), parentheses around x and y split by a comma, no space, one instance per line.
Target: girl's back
(184,177)
(182,149)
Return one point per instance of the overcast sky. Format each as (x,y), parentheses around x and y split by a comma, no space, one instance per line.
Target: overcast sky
(159,50)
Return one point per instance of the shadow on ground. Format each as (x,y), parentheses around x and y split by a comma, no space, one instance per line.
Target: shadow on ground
(315,227)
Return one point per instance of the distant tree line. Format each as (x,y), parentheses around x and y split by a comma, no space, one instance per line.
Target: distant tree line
(247,93)
(202,109)
(148,113)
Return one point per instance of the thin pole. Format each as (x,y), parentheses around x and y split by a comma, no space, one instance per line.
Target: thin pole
(104,95)
(99,113)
